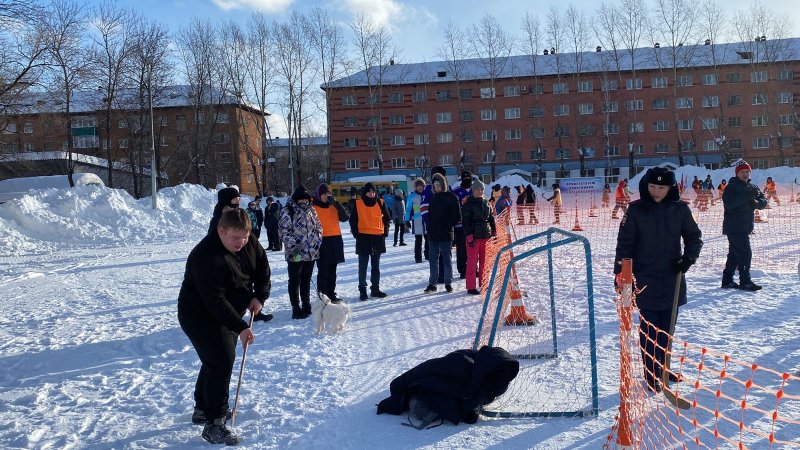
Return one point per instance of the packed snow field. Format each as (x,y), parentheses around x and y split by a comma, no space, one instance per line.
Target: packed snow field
(92,356)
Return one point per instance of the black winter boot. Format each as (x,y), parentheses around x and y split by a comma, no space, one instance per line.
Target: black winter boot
(306,310)
(217,433)
(198,416)
(375,292)
(363,294)
(297,313)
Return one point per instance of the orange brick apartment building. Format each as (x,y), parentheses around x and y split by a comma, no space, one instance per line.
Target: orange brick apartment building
(617,113)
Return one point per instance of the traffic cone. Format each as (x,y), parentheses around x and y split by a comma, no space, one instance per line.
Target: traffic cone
(758,219)
(518,314)
(592,212)
(577,226)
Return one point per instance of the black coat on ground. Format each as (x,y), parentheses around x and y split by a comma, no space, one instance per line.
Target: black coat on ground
(650,233)
(218,285)
(456,385)
(740,200)
(369,244)
(477,218)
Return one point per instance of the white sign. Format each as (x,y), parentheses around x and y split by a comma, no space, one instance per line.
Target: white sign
(577,185)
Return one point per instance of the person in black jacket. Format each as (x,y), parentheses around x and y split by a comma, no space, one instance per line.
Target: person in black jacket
(273,218)
(226,274)
(369,223)
(740,199)
(478,222)
(226,197)
(259,216)
(331,252)
(650,234)
(444,212)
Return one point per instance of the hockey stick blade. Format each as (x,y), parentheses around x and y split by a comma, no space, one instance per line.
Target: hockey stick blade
(681,403)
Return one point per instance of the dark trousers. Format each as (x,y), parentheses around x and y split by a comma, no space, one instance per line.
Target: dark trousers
(216,347)
(441,252)
(418,248)
(300,284)
(375,271)
(273,238)
(653,343)
(461,251)
(326,278)
(740,255)
(399,228)
(257,232)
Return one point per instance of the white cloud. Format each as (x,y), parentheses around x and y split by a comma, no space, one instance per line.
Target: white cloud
(391,12)
(261,5)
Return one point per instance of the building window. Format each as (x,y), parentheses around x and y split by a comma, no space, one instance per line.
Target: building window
(223,138)
(710,146)
(122,123)
(759,121)
(488,114)
(684,125)
(420,161)
(123,143)
(372,142)
(786,141)
(711,123)
(536,133)
(352,164)
(585,86)
(661,125)
(782,97)
(372,121)
(585,130)
(708,79)
(609,85)
(513,156)
(562,132)
(465,94)
(785,75)
(733,77)
(536,111)
(446,160)
(661,147)
(442,95)
(561,110)
(488,135)
(786,119)
(735,144)
(734,122)
(397,119)
(761,164)
(585,108)
(373,163)
(398,140)
(10,128)
(180,122)
(610,128)
(85,142)
(511,91)
(636,127)
(420,118)
(658,82)
(734,100)
(610,107)
(395,97)
(349,100)
(444,138)
(512,113)
(560,88)
(444,117)
(611,151)
(200,118)
(467,116)
(27,128)
(633,83)
(351,142)
(487,158)
(536,89)
(634,105)
(419,96)
(163,141)
(684,102)
(660,103)
(467,136)
(759,99)
(422,139)
(222,117)
(710,101)
(684,80)
(487,92)
(398,163)
(513,134)
(351,121)
(562,153)
(29,147)
(761,142)
(759,76)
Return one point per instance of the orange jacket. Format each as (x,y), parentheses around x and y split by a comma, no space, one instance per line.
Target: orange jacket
(370,219)
(620,193)
(770,187)
(329,218)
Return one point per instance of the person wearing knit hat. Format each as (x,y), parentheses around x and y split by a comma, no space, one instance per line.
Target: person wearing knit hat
(398,211)
(463,192)
(331,251)
(226,198)
(504,201)
(740,200)
(479,226)
(651,233)
(413,215)
(444,213)
(369,223)
(301,233)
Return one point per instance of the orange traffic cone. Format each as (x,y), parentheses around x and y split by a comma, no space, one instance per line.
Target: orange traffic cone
(592,212)
(518,315)
(758,219)
(577,226)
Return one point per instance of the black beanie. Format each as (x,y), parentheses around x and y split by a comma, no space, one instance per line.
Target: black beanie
(224,196)
(301,193)
(660,176)
(438,169)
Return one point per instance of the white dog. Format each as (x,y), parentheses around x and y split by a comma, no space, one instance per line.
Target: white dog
(333,314)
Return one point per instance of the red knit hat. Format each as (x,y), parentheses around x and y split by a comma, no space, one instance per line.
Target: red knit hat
(742,166)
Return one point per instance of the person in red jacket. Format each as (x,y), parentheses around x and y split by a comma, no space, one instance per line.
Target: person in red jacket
(621,200)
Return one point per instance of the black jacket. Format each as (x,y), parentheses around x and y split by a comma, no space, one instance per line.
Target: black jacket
(444,213)
(259,218)
(218,285)
(650,234)
(740,200)
(273,215)
(456,385)
(477,218)
(369,244)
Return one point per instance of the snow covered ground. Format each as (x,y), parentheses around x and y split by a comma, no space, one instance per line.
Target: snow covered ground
(91,354)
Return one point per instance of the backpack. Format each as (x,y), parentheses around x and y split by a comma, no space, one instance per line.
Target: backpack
(418,409)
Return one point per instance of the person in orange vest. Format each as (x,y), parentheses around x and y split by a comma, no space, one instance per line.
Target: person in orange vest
(331,252)
(369,223)
(621,200)
(721,188)
(771,191)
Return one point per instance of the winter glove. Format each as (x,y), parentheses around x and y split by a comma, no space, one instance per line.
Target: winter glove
(471,240)
(683,264)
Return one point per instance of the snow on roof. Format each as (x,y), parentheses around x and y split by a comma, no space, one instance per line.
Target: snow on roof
(78,157)
(284,142)
(648,58)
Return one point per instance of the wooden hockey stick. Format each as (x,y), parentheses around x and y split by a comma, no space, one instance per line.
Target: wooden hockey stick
(670,395)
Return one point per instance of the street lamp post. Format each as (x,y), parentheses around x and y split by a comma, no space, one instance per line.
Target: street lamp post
(153,165)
